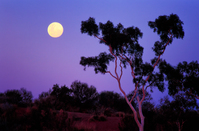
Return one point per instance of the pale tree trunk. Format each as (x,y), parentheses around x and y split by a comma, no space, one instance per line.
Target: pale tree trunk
(118,78)
(135,114)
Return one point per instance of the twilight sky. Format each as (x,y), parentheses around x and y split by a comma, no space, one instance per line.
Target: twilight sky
(30,58)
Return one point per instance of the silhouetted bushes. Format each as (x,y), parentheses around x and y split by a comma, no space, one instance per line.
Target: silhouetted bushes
(128,124)
(18,112)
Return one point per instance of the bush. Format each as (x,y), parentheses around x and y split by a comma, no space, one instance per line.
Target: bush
(128,124)
(108,112)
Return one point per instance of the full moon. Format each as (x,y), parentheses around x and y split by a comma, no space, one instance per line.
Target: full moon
(55,29)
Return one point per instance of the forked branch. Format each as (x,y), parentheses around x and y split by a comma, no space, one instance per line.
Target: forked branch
(118,78)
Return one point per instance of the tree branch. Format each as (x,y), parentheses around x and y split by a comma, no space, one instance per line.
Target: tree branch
(150,84)
(159,56)
(100,38)
(135,91)
(111,74)
(121,71)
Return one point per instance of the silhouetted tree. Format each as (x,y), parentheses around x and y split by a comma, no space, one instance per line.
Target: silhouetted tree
(55,90)
(110,99)
(183,77)
(62,93)
(44,95)
(63,96)
(13,97)
(123,45)
(84,95)
(2,98)
(49,102)
(175,112)
(26,96)
(20,97)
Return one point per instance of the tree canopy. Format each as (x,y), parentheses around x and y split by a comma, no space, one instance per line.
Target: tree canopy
(123,43)
(83,94)
(183,77)
(20,97)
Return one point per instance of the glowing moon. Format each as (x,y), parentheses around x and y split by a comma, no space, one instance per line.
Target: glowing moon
(55,29)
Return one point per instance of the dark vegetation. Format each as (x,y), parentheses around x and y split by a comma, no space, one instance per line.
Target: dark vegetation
(125,50)
(124,47)
(80,107)
(51,110)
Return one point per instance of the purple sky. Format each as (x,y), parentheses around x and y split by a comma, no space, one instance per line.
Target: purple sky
(30,58)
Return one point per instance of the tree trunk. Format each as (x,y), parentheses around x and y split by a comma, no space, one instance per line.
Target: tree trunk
(180,126)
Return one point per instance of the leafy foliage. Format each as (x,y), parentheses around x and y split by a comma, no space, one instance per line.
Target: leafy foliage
(89,27)
(20,97)
(119,38)
(113,100)
(63,93)
(26,95)
(84,95)
(124,44)
(108,98)
(166,26)
(177,113)
(114,36)
(99,62)
(128,124)
(43,113)
(183,77)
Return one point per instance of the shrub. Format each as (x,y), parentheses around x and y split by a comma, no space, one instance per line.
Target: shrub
(128,124)
(108,112)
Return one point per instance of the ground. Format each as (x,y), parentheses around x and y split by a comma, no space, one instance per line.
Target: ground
(82,121)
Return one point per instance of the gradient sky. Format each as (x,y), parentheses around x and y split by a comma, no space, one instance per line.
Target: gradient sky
(30,58)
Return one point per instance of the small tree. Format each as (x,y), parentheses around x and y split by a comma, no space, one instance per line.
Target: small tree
(84,95)
(63,96)
(109,98)
(123,45)
(13,97)
(26,96)
(174,113)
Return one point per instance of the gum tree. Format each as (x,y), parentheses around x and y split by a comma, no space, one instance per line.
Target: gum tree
(125,50)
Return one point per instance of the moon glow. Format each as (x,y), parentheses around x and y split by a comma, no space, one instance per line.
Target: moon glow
(55,29)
